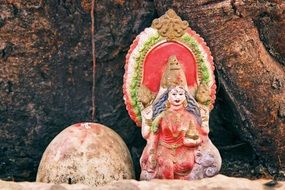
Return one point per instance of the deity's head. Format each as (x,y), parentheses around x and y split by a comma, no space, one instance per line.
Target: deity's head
(176,96)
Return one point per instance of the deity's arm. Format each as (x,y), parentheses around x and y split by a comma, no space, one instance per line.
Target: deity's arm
(151,134)
(156,122)
(154,132)
(149,158)
(204,110)
(146,122)
(152,142)
(145,131)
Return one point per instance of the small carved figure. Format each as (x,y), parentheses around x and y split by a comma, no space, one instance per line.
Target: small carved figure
(203,94)
(174,74)
(145,96)
(203,98)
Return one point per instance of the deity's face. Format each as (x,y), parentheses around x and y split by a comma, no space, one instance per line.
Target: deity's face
(176,96)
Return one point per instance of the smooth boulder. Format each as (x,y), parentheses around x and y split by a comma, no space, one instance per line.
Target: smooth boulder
(87,153)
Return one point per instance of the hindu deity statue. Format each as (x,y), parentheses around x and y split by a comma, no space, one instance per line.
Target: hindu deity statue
(173,136)
(172,126)
(169,90)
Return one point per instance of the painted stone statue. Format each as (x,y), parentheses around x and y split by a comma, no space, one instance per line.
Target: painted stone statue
(169,90)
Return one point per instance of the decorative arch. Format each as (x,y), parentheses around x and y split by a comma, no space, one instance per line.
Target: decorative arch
(148,55)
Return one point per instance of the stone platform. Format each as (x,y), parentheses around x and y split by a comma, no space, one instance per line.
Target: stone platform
(219,182)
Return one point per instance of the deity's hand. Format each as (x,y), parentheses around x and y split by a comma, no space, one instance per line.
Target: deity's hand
(192,142)
(192,137)
(147,113)
(146,121)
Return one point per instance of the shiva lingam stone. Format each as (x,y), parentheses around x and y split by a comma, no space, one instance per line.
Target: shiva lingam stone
(169,91)
(87,153)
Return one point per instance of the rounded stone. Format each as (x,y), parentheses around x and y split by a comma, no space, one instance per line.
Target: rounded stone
(87,153)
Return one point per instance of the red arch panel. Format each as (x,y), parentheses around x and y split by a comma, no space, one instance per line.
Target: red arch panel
(156,60)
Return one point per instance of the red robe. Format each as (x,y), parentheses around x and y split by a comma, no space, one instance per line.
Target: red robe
(174,159)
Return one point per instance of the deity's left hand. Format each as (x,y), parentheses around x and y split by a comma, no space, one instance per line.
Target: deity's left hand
(191,142)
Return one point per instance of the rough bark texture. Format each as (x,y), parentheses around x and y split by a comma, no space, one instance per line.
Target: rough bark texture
(44,79)
(46,75)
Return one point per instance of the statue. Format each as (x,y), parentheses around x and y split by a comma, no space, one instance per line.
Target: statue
(169,90)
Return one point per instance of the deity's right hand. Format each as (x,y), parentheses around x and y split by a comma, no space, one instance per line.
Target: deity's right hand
(147,112)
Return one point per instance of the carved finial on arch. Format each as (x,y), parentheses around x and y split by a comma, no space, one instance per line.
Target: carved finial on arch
(170,25)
